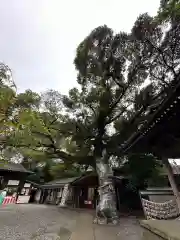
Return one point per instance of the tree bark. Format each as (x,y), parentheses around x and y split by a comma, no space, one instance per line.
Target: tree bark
(106,211)
(172,181)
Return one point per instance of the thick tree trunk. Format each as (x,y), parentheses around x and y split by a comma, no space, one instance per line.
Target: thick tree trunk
(106,211)
(172,181)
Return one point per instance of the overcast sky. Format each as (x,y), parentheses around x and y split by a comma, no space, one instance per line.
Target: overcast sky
(39,37)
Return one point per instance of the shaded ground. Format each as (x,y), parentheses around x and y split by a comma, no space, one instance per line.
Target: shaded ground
(128,229)
(40,222)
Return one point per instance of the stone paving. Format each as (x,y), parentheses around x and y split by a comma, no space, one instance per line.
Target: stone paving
(128,229)
(44,222)
(35,222)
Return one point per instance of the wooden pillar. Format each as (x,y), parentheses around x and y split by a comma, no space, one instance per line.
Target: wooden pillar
(172,181)
(78,195)
(118,198)
(41,196)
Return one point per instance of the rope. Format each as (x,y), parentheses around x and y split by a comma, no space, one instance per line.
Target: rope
(165,211)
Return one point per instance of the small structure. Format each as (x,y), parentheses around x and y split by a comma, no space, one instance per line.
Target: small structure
(52,191)
(83,192)
(12,177)
(27,193)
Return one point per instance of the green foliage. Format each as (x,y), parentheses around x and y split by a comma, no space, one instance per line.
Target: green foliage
(169,10)
(60,170)
(142,168)
(36,177)
(28,99)
(7,95)
(51,169)
(46,172)
(111,102)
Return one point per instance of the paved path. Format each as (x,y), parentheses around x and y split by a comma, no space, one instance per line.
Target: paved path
(128,229)
(41,222)
(35,222)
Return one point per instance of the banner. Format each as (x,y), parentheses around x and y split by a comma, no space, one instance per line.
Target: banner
(23,199)
(64,195)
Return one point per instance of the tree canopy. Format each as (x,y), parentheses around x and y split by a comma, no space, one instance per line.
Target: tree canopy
(109,76)
(119,77)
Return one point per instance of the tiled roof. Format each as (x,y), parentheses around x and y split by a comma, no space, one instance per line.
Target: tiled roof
(175,168)
(9,166)
(59,182)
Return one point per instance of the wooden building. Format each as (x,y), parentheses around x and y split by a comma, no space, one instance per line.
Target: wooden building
(51,192)
(12,176)
(160,132)
(83,192)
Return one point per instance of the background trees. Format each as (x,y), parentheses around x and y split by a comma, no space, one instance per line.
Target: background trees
(121,77)
(78,127)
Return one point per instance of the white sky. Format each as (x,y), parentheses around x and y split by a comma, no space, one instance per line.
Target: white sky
(39,37)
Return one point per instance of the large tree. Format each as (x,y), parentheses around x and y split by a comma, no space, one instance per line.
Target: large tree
(109,76)
(12,105)
(7,98)
(163,55)
(89,125)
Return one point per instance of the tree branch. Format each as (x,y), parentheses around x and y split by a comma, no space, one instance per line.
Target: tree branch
(118,115)
(92,109)
(160,79)
(163,57)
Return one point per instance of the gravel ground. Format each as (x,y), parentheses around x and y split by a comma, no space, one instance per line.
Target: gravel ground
(46,222)
(128,229)
(35,222)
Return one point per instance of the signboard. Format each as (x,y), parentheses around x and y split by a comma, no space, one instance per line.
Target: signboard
(87,202)
(27,185)
(23,199)
(13,183)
